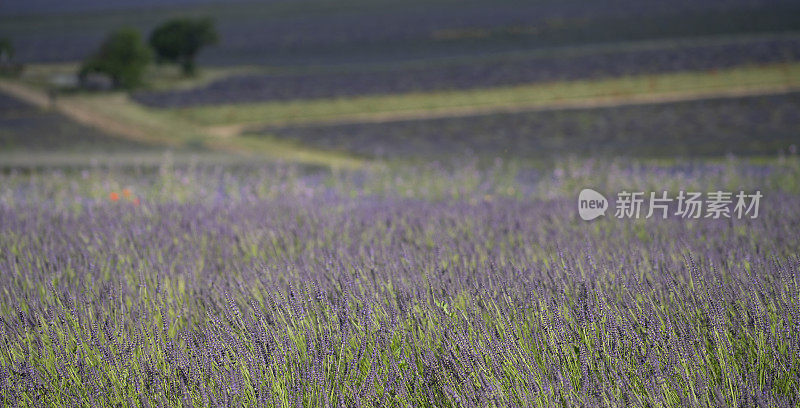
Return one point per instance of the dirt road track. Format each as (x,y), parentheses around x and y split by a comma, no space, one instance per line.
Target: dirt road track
(75,111)
(541,106)
(83,114)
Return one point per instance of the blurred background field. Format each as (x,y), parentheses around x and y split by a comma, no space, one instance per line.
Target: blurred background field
(372,203)
(341,83)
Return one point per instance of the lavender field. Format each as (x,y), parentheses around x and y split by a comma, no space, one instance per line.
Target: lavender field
(443,285)
(374,203)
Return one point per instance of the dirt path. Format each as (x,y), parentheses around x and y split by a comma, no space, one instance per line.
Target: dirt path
(75,111)
(143,128)
(610,101)
(85,115)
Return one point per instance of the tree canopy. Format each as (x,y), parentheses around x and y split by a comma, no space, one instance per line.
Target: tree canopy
(122,56)
(179,41)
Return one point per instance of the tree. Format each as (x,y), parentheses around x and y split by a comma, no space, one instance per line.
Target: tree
(179,41)
(122,56)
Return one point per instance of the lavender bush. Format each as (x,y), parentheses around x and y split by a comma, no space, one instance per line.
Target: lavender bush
(437,286)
